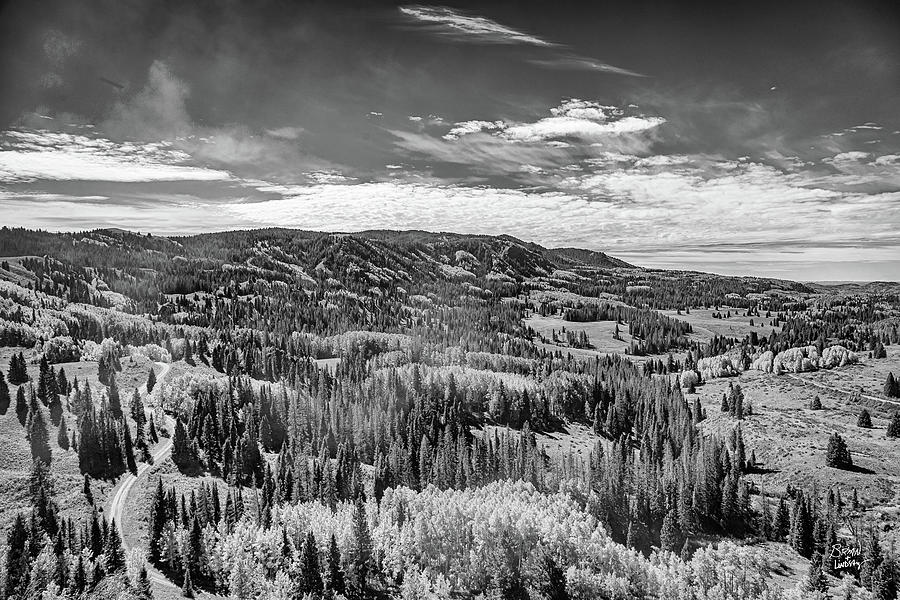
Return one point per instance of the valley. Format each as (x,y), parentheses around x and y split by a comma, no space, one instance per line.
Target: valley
(417,415)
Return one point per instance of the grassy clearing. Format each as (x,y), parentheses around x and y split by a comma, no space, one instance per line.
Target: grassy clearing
(737,326)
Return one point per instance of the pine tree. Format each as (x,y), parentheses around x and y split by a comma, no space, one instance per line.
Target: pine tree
(4,395)
(815,579)
(893,430)
(115,401)
(182,451)
(39,438)
(554,580)
(128,449)
(113,552)
(311,580)
(864,420)
(838,455)
(158,518)
(670,537)
(18,369)
(21,406)
(360,552)
(151,380)
(142,587)
(18,563)
(816,404)
(187,590)
(86,489)
(891,386)
(62,437)
(801,536)
(782,525)
(335,574)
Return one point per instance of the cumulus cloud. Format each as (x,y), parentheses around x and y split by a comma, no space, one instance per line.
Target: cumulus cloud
(573,119)
(465,127)
(845,157)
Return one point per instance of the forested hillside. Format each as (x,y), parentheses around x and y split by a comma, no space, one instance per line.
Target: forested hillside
(289,414)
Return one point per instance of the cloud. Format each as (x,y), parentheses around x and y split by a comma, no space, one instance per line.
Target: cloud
(464,27)
(887,160)
(846,157)
(584,129)
(573,119)
(466,127)
(459,25)
(33,155)
(581,63)
(285,133)
(159,111)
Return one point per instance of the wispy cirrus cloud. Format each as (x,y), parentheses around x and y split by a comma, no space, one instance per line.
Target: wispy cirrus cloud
(460,26)
(465,27)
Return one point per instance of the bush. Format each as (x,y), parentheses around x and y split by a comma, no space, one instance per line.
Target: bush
(815,404)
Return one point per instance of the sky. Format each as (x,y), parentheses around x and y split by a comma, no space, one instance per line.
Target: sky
(738,138)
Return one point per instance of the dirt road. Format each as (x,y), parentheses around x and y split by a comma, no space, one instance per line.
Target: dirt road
(116,508)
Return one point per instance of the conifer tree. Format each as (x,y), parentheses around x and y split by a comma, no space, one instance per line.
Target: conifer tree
(838,455)
(115,401)
(158,518)
(39,438)
(816,403)
(670,537)
(5,398)
(801,536)
(335,574)
(311,579)
(86,489)
(62,437)
(151,380)
(360,551)
(187,589)
(815,578)
(18,369)
(128,449)
(864,420)
(893,430)
(891,386)
(21,406)
(182,450)
(554,580)
(782,525)
(18,563)
(142,587)
(113,552)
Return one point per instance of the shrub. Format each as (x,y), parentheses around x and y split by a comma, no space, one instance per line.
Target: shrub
(816,404)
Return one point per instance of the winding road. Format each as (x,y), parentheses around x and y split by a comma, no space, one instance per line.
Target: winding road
(116,507)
